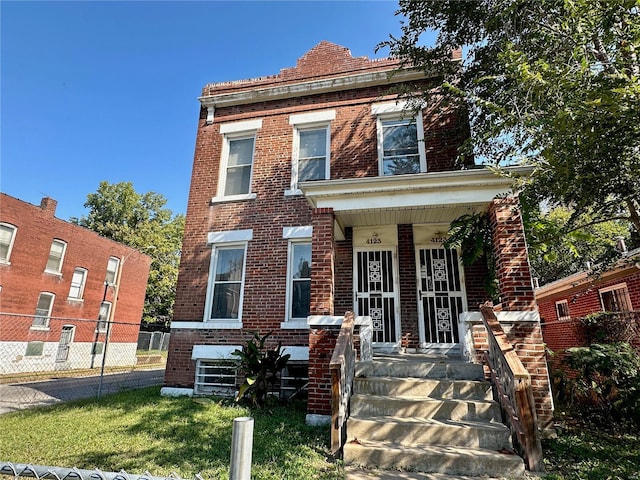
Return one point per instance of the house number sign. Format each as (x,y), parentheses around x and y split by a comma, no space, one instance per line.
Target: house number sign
(374,240)
(438,239)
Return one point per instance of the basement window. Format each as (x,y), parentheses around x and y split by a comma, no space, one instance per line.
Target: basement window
(216,378)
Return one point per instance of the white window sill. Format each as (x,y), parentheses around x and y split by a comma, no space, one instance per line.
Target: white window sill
(75,300)
(234,198)
(39,328)
(5,262)
(51,272)
(293,193)
(295,325)
(222,325)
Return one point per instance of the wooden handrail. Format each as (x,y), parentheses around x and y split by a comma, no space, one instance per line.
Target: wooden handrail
(513,385)
(342,367)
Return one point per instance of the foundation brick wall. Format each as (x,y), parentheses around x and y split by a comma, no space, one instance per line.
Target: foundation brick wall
(24,278)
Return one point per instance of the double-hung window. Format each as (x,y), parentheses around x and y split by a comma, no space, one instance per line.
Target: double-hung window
(7,235)
(226,278)
(104,315)
(311,157)
(77,283)
(112,270)
(236,166)
(43,310)
(401,148)
(56,257)
(298,297)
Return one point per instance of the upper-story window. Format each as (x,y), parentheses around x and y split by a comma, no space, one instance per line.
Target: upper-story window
(226,277)
(615,298)
(7,236)
(56,256)
(77,283)
(112,270)
(401,147)
(43,310)
(236,165)
(311,157)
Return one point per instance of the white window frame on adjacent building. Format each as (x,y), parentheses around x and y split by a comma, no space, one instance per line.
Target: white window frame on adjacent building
(232,132)
(78,281)
(620,296)
(306,123)
(111,276)
(562,310)
(222,242)
(104,316)
(43,311)
(402,114)
(7,237)
(56,256)
(297,236)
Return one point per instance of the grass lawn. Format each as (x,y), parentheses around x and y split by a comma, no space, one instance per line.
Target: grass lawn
(139,431)
(592,449)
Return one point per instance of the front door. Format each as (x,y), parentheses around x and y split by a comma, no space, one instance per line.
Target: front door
(441,296)
(66,336)
(376,294)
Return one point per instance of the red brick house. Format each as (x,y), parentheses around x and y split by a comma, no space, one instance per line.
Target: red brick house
(564,301)
(63,289)
(316,191)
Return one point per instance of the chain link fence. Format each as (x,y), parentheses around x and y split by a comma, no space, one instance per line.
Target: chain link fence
(20,470)
(45,360)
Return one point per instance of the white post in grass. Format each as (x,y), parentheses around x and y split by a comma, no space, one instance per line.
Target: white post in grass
(241,448)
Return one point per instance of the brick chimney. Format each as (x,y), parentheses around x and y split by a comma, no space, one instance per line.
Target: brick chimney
(49,205)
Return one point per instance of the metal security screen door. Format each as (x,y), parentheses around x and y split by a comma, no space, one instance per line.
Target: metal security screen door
(66,336)
(442,296)
(376,294)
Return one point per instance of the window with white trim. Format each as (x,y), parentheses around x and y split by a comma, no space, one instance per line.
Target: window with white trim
(562,310)
(78,282)
(299,280)
(236,164)
(226,283)
(104,315)
(311,157)
(43,310)
(56,256)
(401,148)
(7,236)
(615,298)
(112,270)
(216,377)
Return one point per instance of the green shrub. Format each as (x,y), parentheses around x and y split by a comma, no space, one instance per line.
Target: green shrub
(261,366)
(607,327)
(607,380)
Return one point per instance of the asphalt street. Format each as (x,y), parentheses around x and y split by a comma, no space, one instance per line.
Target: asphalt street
(19,396)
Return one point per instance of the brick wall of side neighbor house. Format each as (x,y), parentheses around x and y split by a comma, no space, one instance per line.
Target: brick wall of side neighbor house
(408,307)
(24,277)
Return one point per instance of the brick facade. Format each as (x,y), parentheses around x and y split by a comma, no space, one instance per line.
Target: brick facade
(24,277)
(327,83)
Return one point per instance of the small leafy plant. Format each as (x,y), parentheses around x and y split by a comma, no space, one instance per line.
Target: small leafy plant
(261,366)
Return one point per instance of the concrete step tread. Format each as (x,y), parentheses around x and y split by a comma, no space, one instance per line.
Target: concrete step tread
(425,422)
(352,473)
(437,449)
(413,398)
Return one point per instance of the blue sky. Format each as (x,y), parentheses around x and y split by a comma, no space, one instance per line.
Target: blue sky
(94,91)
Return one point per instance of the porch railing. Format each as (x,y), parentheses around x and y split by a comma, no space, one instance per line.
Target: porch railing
(513,385)
(342,367)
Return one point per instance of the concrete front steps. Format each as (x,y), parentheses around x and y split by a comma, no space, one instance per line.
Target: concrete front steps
(428,414)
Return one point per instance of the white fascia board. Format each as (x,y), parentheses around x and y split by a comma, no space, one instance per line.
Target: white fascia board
(316,87)
(214,352)
(423,189)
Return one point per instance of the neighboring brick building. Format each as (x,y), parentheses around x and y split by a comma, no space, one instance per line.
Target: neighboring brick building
(564,301)
(315,192)
(62,289)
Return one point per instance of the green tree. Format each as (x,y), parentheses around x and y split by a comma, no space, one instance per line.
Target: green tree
(118,212)
(554,84)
